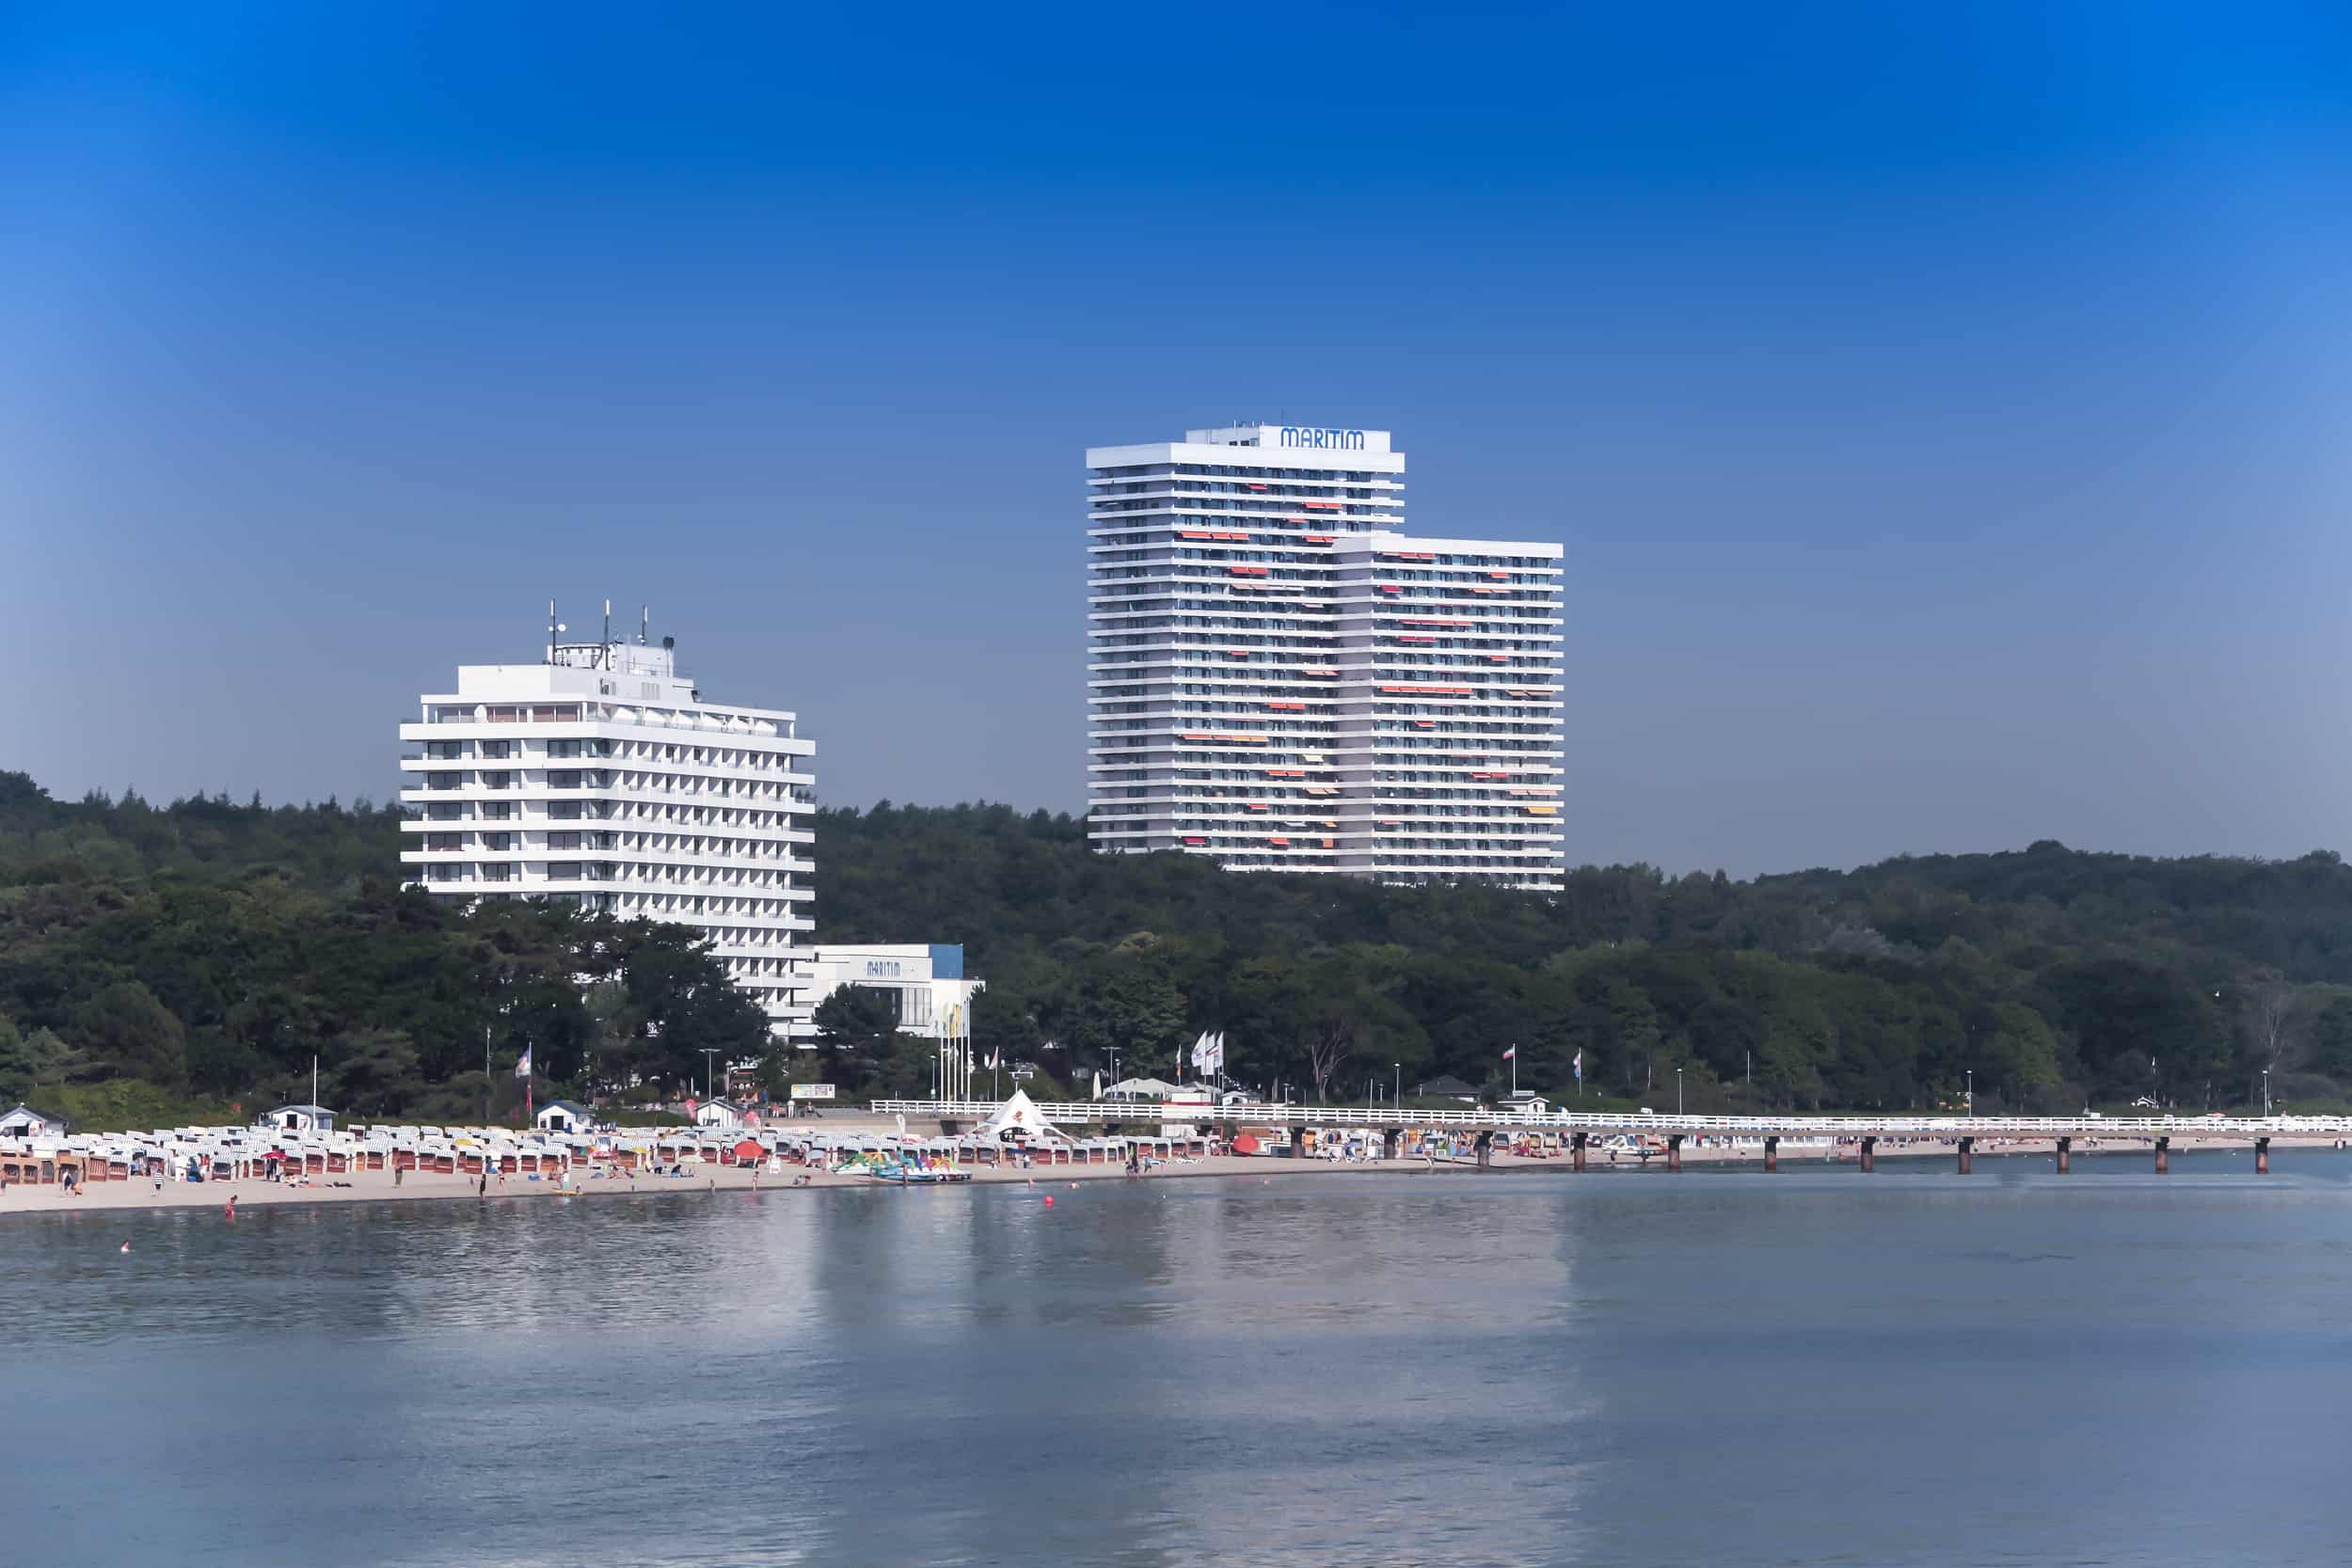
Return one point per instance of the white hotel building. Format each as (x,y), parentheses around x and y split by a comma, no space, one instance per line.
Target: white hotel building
(1281,679)
(600,775)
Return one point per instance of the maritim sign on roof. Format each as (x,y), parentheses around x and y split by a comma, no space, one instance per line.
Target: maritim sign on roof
(1321,439)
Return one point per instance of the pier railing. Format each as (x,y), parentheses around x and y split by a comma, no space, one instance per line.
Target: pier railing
(1070,1113)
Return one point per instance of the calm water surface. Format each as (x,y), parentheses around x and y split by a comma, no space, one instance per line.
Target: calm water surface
(1626,1368)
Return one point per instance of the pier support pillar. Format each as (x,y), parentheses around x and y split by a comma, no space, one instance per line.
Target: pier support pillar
(2262,1156)
(1674,1151)
(1485,1147)
(1869,1154)
(1771,1154)
(2164,1156)
(1576,1150)
(1391,1142)
(2065,1155)
(1967,1155)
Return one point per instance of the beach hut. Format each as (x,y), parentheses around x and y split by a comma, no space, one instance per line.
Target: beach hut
(300,1119)
(723,1114)
(25,1122)
(564,1116)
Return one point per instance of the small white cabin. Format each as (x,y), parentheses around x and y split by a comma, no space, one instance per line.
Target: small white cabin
(564,1116)
(724,1114)
(25,1122)
(299,1118)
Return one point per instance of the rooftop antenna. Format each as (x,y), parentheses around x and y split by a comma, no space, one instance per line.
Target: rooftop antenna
(643,615)
(552,628)
(604,649)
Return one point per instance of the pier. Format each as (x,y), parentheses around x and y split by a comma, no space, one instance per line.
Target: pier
(1580,1128)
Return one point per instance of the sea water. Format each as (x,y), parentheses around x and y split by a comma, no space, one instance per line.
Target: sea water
(1626,1367)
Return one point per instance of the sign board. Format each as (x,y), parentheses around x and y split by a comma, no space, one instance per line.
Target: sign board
(812,1091)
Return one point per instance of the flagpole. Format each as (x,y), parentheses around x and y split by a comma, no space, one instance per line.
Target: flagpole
(1514,1070)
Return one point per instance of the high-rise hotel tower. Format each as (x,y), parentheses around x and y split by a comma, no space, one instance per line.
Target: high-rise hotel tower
(1281,679)
(600,776)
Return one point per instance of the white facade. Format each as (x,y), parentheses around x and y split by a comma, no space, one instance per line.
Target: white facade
(1281,679)
(600,776)
(926,980)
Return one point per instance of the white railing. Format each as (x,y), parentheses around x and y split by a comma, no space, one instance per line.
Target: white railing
(1911,1126)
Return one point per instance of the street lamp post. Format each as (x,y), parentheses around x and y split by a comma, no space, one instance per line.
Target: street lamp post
(2266,1091)
(1396,1097)
(708,1052)
(1677,1091)
(1972,1094)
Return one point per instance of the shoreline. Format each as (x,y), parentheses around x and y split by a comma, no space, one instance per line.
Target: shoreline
(113,1198)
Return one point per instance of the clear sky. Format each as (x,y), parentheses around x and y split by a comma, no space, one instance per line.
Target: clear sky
(1944,406)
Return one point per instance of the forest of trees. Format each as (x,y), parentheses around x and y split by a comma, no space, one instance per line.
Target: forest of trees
(209,948)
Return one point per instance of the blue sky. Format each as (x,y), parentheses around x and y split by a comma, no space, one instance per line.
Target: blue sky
(1944,408)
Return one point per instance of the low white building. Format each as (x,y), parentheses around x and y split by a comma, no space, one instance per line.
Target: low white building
(299,1118)
(925,980)
(564,1116)
(724,1114)
(25,1122)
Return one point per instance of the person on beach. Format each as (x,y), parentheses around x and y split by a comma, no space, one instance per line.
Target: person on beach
(484,1191)
(399,1171)
(232,1210)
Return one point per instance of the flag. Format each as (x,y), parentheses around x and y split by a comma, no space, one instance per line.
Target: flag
(1098,1083)
(1579,1064)
(994,1052)
(1512,1055)
(522,1068)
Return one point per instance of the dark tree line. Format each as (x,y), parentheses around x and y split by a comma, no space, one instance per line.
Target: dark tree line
(2047,977)
(211,948)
